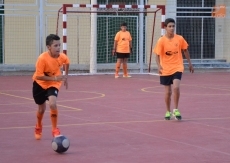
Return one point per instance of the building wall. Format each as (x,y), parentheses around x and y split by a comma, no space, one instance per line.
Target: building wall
(20,36)
(21,30)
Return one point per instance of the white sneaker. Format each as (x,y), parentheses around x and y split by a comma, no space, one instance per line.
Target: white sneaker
(127,76)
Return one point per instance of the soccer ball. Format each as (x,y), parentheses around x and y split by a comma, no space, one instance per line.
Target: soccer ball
(60,144)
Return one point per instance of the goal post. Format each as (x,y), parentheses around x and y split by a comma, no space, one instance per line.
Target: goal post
(88,38)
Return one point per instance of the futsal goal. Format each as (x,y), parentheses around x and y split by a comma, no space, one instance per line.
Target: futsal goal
(88,33)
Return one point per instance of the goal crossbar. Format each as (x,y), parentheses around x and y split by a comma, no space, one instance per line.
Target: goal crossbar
(94,7)
(65,6)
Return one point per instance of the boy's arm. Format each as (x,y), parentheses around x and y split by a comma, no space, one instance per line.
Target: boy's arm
(51,78)
(66,66)
(131,46)
(114,47)
(47,78)
(67,69)
(65,74)
(158,64)
(187,56)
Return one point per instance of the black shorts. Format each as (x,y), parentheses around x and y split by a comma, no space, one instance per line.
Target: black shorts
(40,95)
(122,55)
(168,80)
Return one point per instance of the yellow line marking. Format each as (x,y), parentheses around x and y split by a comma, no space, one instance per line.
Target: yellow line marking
(16,96)
(209,87)
(69,107)
(162,92)
(20,103)
(32,99)
(89,98)
(121,122)
(60,110)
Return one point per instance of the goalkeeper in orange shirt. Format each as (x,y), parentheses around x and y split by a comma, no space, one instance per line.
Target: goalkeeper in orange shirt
(47,81)
(122,48)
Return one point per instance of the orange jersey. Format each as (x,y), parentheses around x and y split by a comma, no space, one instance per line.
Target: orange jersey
(49,66)
(123,39)
(169,50)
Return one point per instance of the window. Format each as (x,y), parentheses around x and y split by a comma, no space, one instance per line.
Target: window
(198,29)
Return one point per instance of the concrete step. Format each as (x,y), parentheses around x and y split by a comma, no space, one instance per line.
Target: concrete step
(209,65)
(206,61)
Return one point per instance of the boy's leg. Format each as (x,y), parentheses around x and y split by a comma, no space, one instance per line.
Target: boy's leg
(38,127)
(176,92)
(168,93)
(54,114)
(39,95)
(167,81)
(117,68)
(125,68)
(40,113)
(52,94)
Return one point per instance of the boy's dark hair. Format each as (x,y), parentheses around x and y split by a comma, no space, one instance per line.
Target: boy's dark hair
(169,20)
(124,24)
(51,38)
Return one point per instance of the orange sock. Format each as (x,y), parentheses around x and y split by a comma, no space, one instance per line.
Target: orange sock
(54,117)
(125,69)
(39,119)
(118,64)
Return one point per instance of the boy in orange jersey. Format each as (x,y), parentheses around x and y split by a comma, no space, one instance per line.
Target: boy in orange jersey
(122,47)
(47,81)
(169,60)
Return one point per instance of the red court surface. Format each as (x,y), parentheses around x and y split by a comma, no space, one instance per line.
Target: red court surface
(121,120)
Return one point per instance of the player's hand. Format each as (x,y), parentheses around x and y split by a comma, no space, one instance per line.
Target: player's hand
(191,69)
(66,83)
(160,70)
(131,50)
(61,78)
(113,52)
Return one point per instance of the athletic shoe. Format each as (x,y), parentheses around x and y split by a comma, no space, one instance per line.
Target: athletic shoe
(38,132)
(177,114)
(127,76)
(56,132)
(116,76)
(168,115)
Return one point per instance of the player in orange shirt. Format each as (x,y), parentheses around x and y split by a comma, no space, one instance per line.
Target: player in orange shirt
(47,81)
(122,47)
(169,60)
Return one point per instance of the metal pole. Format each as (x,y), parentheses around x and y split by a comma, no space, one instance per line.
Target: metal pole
(93,43)
(202,35)
(107,40)
(141,37)
(41,15)
(3,44)
(151,45)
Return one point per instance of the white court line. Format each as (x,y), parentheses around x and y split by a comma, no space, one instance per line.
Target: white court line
(108,73)
(174,141)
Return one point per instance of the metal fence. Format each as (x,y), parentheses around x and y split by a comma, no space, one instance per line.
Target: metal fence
(24,26)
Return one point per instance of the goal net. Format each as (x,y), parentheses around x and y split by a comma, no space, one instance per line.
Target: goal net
(88,33)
